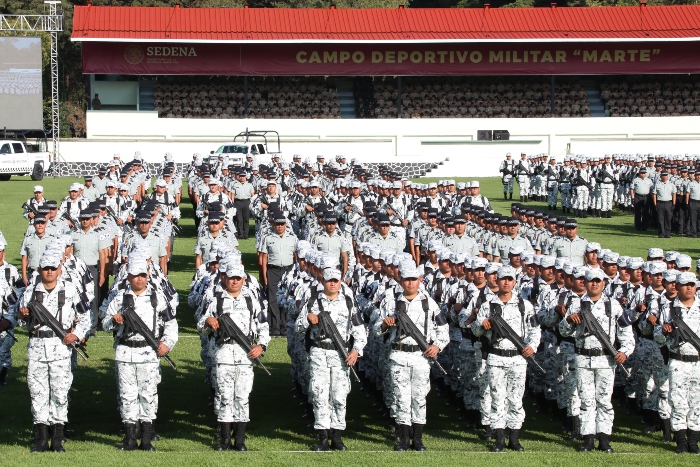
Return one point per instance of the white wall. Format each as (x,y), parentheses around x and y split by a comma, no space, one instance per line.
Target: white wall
(388,140)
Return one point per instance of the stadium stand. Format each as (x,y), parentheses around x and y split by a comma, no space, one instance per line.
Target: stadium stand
(646,96)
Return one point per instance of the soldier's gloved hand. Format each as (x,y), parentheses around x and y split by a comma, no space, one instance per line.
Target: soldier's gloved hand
(432,351)
(162,349)
(118,318)
(486,324)
(70,338)
(313,319)
(352,358)
(255,352)
(667,328)
(620,358)
(574,319)
(212,323)
(528,352)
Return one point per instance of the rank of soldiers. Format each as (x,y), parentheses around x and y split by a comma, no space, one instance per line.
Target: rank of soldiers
(403,286)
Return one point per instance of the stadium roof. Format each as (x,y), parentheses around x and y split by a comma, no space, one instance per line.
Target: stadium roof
(409,25)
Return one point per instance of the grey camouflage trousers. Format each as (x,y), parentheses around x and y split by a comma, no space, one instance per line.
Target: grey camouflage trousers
(568,390)
(6,344)
(507,389)
(595,388)
(138,391)
(234,384)
(411,378)
(330,386)
(49,383)
(684,395)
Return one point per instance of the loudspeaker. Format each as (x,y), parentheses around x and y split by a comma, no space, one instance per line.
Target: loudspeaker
(484,135)
(501,135)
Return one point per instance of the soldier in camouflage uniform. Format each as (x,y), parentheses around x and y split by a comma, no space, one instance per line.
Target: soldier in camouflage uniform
(49,359)
(138,365)
(330,376)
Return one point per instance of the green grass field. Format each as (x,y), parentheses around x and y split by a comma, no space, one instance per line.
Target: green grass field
(277,434)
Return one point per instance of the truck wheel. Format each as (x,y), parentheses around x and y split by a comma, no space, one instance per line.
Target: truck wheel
(5,177)
(38,172)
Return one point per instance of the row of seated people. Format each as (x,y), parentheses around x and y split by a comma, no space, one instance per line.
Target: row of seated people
(278,98)
(646,96)
(476,98)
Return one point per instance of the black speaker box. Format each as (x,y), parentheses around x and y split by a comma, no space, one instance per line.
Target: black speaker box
(484,135)
(501,135)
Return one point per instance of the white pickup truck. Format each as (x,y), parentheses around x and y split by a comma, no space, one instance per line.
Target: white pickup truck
(15,159)
(237,152)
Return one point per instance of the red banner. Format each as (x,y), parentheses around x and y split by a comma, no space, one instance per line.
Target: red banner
(391,59)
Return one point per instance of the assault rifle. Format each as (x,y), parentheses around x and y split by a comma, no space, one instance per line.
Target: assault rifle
(74,225)
(134,324)
(231,331)
(500,328)
(406,325)
(592,326)
(684,332)
(329,328)
(43,317)
(581,181)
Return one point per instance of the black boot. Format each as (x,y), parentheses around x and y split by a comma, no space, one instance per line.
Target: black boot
(500,443)
(154,435)
(510,195)
(651,416)
(3,376)
(693,441)
(521,199)
(239,444)
(666,428)
(146,436)
(604,443)
(505,195)
(57,439)
(418,437)
(322,437)
(404,433)
(588,443)
(681,441)
(129,443)
(514,441)
(224,437)
(575,428)
(41,438)
(337,440)
(488,434)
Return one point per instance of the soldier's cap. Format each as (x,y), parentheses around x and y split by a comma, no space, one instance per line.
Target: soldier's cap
(664,172)
(547,261)
(513,221)
(657,267)
(432,185)
(643,170)
(215,217)
(432,212)
(507,271)
(476,263)
(443,254)
(75,187)
(40,219)
(137,267)
(313,183)
(592,246)
(493,268)
(655,253)
(570,223)
(123,187)
(683,261)
(408,270)
(102,170)
(51,204)
(396,185)
(370,211)
(422,206)
(670,275)
(234,270)
(686,278)
(206,174)
(87,178)
(38,189)
(539,215)
(670,256)
(460,220)
(50,259)
(502,220)
(692,171)
(449,220)
(560,263)
(329,219)
(530,212)
(330,274)
(684,169)
(434,245)
(611,257)
(110,184)
(579,271)
(562,223)
(515,250)
(43,209)
(383,219)
(320,156)
(528,258)
(85,214)
(143,217)
(101,204)
(475,184)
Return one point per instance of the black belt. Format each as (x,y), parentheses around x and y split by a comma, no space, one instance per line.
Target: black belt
(405,347)
(590,352)
(272,266)
(325,345)
(504,352)
(569,339)
(239,199)
(657,201)
(133,344)
(43,334)
(684,358)
(695,200)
